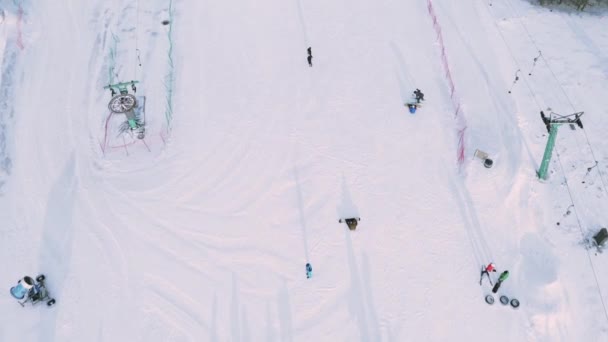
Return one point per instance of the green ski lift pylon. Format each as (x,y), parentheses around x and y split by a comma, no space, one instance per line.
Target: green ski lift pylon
(544,166)
(552,123)
(121,87)
(125,103)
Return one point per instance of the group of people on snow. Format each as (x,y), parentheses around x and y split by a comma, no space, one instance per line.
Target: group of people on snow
(492,268)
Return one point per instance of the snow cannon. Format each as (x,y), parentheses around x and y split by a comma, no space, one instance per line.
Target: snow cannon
(23,287)
(30,291)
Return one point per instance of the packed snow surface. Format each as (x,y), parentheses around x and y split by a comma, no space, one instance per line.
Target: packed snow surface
(201,230)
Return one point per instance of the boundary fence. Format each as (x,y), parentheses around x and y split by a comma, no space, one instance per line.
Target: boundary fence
(461,125)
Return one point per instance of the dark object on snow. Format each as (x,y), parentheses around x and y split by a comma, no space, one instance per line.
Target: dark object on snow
(309,50)
(32,291)
(486,270)
(412,107)
(488,163)
(503,276)
(418,95)
(165,22)
(496,286)
(504,300)
(562,119)
(546,121)
(490,299)
(308,271)
(601,237)
(309,60)
(351,222)
(514,303)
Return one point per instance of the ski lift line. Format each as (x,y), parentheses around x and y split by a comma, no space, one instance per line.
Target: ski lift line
(557,151)
(534,96)
(540,53)
(596,161)
(541,56)
(515,80)
(580,227)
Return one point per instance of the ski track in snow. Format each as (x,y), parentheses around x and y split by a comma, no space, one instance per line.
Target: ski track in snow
(8,82)
(205,235)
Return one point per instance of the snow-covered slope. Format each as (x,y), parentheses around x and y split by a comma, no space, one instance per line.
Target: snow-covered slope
(200,232)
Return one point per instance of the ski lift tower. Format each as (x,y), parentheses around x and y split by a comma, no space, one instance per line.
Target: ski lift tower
(553,122)
(124,103)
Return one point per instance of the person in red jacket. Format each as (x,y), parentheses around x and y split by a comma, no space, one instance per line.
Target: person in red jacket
(486,270)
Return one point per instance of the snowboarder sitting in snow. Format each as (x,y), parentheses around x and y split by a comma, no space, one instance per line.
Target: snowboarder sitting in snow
(418,95)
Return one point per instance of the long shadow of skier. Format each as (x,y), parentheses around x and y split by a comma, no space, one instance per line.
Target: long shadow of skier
(359,304)
(301,211)
(213,329)
(346,208)
(284,310)
(406,83)
(56,243)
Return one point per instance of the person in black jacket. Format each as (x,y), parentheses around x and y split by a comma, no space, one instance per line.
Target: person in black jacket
(309,50)
(418,95)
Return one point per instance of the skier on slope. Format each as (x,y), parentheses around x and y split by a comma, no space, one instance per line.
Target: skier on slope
(310,60)
(486,270)
(503,276)
(418,95)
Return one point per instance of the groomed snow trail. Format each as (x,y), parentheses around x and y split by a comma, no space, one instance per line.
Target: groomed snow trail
(204,233)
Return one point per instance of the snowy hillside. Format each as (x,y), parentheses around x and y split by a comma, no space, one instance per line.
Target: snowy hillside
(201,230)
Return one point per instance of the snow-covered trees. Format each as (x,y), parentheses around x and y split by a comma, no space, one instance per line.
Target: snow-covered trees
(579,4)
